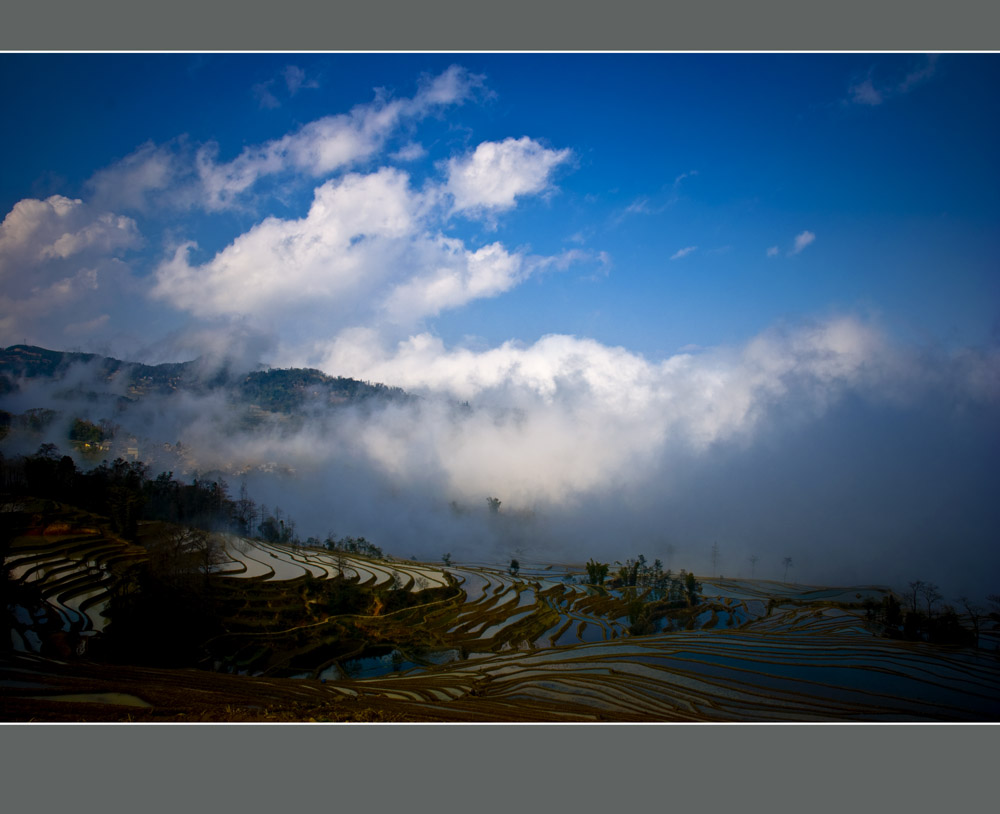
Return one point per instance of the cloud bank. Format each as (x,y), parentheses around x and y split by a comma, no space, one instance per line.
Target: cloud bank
(825,441)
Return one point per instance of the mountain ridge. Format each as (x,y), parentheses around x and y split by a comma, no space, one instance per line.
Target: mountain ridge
(282,390)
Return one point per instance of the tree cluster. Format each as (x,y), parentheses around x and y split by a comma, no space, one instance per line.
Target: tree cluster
(354,545)
(123,492)
(597,572)
(918,619)
(86,432)
(651,581)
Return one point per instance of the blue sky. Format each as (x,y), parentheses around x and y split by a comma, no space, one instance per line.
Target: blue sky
(889,160)
(634,266)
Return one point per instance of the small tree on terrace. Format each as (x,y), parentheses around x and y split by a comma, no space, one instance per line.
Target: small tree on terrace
(596,572)
(657,580)
(515,566)
(692,587)
(494,504)
(787,562)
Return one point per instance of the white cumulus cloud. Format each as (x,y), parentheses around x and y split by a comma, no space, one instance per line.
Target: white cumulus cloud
(495,174)
(344,243)
(454,277)
(368,250)
(59,258)
(59,227)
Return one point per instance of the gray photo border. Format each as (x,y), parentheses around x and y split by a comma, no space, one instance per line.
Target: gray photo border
(513,25)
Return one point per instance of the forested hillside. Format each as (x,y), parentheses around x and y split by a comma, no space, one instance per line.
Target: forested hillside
(90,376)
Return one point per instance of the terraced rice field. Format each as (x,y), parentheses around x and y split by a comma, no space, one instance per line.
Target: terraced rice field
(491,646)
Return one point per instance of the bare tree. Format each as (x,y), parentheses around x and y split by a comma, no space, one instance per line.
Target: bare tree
(787,562)
(210,550)
(715,559)
(975,612)
(753,565)
(931,594)
(340,561)
(245,510)
(916,589)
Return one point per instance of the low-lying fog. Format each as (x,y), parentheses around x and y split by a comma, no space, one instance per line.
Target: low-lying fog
(863,461)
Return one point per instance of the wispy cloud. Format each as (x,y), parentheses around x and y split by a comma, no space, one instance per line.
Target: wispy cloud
(682,176)
(773,251)
(265,97)
(410,152)
(318,148)
(802,240)
(867,91)
(919,75)
(160,174)
(683,252)
(644,205)
(296,79)
(292,77)
(640,206)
